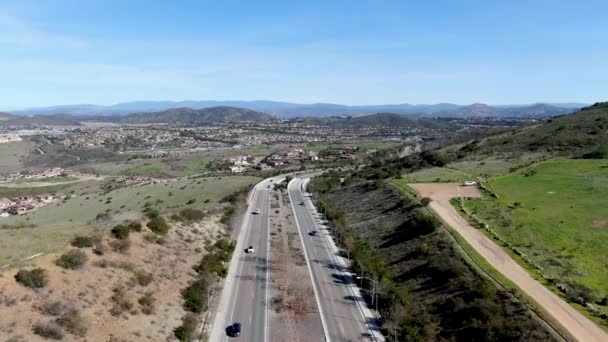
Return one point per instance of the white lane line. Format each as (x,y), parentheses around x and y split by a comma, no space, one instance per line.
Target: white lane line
(323,323)
(332,251)
(267,327)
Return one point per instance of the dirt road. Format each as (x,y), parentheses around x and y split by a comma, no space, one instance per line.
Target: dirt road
(574,322)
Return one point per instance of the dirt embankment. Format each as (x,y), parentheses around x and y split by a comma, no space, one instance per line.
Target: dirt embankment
(106,291)
(573,321)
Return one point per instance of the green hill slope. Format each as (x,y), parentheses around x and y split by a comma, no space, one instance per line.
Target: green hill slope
(584,133)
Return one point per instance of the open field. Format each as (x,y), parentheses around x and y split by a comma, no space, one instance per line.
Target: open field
(435,174)
(556,213)
(11,154)
(55,224)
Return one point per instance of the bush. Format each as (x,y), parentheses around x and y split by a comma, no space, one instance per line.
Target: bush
(195,296)
(72,260)
(158,225)
(83,241)
(191,201)
(35,278)
(73,323)
(187,331)
(143,278)
(121,301)
(191,214)
(121,232)
(135,226)
(151,213)
(120,246)
(55,308)
(48,330)
(147,302)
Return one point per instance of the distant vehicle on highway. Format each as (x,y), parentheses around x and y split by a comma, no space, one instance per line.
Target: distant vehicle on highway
(470,183)
(249,249)
(302,203)
(234,330)
(257,211)
(313,233)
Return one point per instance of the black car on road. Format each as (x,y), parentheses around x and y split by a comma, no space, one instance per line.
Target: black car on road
(234,330)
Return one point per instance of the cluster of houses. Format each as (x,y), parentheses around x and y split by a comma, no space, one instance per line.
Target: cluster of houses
(241,163)
(37,173)
(22,204)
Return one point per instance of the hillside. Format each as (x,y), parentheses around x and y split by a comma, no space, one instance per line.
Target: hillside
(428,292)
(577,134)
(189,115)
(483,110)
(379,119)
(5,116)
(7,120)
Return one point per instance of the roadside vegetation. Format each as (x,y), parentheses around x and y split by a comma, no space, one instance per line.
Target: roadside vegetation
(426,289)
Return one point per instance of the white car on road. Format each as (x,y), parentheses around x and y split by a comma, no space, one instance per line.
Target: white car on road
(257,211)
(470,183)
(249,249)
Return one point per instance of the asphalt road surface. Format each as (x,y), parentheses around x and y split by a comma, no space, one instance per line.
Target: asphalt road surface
(244,297)
(343,312)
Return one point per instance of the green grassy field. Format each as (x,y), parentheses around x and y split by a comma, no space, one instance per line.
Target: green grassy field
(55,224)
(435,174)
(364,145)
(11,153)
(557,214)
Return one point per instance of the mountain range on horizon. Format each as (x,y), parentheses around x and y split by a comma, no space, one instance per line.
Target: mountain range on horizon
(292,110)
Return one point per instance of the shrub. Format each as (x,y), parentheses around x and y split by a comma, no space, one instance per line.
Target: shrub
(35,278)
(72,260)
(151,237)
(191,214)
(195,296)
(143,278)
(191,201)
(55,308)
(187,331)
(83,241)
(135,226)
(120,246)
(121,301)
(158,225)
(121,232)
(151,213)
(147,302)
(48,330)
(73,322)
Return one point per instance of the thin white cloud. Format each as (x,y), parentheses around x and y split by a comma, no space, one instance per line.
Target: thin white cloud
(18,32)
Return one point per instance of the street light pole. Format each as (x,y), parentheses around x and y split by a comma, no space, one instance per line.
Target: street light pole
(374,292)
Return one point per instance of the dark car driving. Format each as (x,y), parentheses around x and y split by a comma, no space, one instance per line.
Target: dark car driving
(234,330)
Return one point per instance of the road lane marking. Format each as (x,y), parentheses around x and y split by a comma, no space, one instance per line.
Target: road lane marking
(316,291)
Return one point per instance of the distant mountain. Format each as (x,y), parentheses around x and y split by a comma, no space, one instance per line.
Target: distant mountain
(378,119)
(581,133)
(282,109)
(483,110)
(5,116)
(189,115)
(35,121)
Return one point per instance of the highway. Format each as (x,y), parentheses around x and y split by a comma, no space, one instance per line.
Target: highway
(244,297)
(344,314)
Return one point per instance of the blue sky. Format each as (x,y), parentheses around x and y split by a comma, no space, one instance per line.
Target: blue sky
(351,52)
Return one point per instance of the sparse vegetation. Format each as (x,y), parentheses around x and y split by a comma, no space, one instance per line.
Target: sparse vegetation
(120,246)
(158,225)
(72,260)
(48,330)
(187,331)
(121,232)
(147,302)
(84,241)
(36,278)
(120,300)
(73,322)
(142,278)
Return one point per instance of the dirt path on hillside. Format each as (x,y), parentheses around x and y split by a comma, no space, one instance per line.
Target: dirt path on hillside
(573,321)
